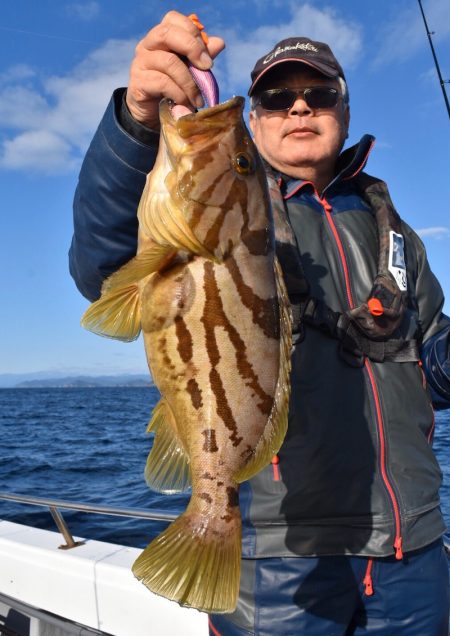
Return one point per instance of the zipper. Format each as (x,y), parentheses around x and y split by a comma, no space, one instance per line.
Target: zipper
(384,475)
(380,425)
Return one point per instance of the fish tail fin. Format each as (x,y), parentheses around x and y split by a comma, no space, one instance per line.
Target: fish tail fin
(194,563)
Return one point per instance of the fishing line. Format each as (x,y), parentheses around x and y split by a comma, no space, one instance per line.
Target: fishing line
(46,35)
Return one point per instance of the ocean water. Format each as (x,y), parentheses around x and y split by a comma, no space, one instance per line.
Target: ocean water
(90,445)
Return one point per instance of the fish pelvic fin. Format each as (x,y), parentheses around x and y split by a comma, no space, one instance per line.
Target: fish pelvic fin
(194,562)
(168,467)
(275,430)
(117,314)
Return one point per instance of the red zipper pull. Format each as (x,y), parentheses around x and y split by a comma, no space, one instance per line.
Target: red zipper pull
(398,548)
(367,582)
(368,586)
(276,470)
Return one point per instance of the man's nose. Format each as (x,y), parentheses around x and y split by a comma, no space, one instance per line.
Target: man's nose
(300,107)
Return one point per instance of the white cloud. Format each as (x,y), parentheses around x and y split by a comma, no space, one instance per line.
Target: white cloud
(325,25)
(438,232)
(38,150)
(17,72)
(57,115)
(405,32)
(84,10)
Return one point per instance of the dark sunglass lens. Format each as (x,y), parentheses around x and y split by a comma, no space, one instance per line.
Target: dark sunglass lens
(277,100)
(319,97)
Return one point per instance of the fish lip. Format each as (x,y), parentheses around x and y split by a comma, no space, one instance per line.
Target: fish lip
(165,109)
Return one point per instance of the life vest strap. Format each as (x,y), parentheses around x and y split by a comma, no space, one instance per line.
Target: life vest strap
(354,345)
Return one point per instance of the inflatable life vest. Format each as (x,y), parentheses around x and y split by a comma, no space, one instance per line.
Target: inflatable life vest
(367,330)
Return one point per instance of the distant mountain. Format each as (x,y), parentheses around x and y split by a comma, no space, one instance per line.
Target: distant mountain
(78,381)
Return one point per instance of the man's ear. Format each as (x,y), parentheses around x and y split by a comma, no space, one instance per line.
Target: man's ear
(252,121)
(346,119)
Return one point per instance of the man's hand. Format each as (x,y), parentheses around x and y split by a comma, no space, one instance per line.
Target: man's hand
(157,70)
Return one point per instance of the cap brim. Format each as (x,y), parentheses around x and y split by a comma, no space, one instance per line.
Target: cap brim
(326,70)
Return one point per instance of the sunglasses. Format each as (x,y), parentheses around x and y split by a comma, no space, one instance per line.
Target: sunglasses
(284,98)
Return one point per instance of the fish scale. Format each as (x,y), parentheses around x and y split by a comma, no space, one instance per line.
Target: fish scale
(207,292)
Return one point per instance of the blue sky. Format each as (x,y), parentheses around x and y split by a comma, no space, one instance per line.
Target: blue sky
(60,62)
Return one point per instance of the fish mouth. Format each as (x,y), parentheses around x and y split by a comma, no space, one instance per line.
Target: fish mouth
(169,112)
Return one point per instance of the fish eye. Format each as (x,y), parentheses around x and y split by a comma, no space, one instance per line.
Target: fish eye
(243,163)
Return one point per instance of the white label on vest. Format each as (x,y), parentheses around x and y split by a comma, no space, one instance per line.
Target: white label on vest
(397,265)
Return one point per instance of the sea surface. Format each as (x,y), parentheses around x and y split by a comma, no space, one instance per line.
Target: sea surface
(90,445)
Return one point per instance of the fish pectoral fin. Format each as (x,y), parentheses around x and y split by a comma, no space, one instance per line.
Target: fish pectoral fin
(150,260)
(168,468)
(115,314)
(276,427)
(195,562)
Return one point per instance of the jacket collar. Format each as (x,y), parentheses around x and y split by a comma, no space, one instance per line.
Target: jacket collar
(349,164)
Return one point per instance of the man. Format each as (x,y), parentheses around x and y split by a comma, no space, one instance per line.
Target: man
(342,535)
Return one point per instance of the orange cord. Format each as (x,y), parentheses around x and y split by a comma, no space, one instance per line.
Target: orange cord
(200,27)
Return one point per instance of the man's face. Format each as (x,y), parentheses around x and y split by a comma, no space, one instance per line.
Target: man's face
(300,138)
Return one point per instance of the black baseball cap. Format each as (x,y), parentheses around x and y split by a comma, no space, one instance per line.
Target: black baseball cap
(318,55)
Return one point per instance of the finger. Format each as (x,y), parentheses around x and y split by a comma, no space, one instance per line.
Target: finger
(144,97)
(215,46)
(170,65)
(178,40)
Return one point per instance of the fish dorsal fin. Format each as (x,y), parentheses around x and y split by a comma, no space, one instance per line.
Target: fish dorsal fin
(117,313)
(276,427)
(167,469)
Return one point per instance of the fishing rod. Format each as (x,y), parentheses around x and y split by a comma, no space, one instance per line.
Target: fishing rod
(441,81)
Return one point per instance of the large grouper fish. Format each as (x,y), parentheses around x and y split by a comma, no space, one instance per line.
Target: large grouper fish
(208,294)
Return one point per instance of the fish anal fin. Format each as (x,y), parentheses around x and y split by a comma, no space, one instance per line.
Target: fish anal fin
(115,315)
(195,563)
(275,430)
(167,469)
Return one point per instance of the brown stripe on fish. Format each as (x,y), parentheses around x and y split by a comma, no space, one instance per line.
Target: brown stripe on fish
(210,443)
(265,312)
(223,408)
(214,316)
(184,339)
(208,476)
(233,496)
(195,393)
(188,182)
(162,348)
(237,195)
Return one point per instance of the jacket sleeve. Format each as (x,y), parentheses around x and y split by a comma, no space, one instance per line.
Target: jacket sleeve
(110,185)
(435,326)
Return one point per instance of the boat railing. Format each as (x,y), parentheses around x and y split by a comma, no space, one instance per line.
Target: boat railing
(54,506)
